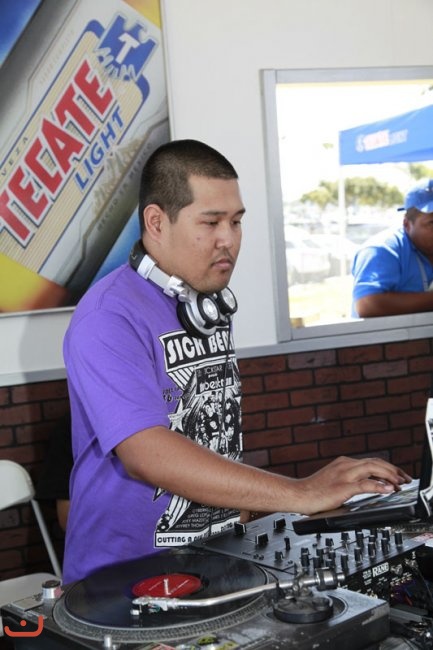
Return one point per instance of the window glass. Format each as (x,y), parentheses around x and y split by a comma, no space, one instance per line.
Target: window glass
(329,205)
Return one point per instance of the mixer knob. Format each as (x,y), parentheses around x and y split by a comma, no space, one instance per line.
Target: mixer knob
(386,533)
(305,559)
(398,538)
(262,539)
(385,545)
(240,529)
(279,524)
(345,562)
(359,538)
(397,570)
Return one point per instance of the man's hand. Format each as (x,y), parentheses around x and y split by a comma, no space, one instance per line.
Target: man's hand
(344,477)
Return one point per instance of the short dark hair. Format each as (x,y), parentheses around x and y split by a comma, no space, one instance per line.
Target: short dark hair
(165,175)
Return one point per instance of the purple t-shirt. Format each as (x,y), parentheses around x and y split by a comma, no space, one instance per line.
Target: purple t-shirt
(131,366)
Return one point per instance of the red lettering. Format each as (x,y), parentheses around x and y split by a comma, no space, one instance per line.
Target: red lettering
(63,145)
(13,222)
(33,160)
(27,194)
(91,86)
(69,106)
(50,155)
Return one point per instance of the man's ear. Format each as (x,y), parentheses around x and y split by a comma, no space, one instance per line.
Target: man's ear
(152,218)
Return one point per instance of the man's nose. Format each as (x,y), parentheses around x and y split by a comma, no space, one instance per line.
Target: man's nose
(226,236)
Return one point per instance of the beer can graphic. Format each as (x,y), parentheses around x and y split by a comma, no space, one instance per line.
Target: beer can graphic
(86,106)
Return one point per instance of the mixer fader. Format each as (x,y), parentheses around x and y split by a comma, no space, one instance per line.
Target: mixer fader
(373,560)
(256,585)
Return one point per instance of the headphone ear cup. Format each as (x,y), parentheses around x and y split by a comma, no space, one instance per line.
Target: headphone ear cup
(226,302)
(189,323)
(200,315)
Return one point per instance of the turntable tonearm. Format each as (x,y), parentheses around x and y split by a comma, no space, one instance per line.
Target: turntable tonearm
(258,586)
(242,605)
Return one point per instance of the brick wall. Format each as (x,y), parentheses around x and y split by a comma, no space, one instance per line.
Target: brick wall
(299,411)
(28,415)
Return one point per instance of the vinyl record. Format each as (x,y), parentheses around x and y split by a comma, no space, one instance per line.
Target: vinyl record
(104,599)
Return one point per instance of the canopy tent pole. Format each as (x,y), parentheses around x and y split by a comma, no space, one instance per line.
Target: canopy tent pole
(342,217)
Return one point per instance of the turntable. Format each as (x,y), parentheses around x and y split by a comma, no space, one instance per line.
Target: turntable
(187,598)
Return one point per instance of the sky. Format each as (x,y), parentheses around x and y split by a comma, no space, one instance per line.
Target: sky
(310,116)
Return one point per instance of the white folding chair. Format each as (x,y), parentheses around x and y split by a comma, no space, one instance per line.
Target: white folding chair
(16,487)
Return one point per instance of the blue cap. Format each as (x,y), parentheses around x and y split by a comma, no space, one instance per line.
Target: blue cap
(420,196)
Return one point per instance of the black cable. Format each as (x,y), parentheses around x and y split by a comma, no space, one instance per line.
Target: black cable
(223,408)
(224,393)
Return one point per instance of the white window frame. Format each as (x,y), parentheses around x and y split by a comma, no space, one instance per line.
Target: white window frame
(362,332)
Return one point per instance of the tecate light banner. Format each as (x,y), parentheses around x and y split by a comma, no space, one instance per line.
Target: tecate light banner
(83,103)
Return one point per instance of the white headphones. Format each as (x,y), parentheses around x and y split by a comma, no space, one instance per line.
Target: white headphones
(199,313)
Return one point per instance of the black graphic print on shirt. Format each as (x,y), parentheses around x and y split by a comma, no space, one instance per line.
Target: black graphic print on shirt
(208,412)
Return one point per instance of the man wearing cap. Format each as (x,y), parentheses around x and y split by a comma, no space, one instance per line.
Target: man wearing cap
(394,274)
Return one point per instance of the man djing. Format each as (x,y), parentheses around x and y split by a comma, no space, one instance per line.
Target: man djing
(154,384)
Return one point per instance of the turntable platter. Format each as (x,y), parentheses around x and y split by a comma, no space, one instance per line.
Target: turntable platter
(101,603)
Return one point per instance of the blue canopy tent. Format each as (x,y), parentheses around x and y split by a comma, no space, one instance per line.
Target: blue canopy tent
(407,137)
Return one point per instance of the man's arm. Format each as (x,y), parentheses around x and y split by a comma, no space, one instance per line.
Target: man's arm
(167,459)
(394,303)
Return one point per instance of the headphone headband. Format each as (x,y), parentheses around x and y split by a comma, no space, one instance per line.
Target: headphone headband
(148,269)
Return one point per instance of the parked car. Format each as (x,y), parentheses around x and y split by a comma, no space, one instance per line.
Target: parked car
(306,260)
(358,233)
(341,252)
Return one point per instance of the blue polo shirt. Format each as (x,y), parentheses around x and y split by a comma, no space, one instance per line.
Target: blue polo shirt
(389,262)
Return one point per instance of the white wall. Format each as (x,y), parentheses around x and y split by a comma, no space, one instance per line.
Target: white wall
(31,346)
(215,50)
